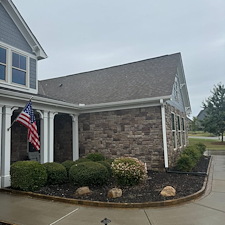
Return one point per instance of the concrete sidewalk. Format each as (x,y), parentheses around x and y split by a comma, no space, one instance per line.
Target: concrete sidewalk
(208,210)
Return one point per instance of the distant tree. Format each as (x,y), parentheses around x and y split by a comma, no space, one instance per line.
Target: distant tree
(194,124)
(214,121)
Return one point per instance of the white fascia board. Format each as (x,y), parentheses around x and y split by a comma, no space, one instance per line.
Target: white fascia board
(17,98)
(24,29)
(129,104)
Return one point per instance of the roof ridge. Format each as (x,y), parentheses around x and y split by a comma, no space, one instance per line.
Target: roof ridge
(95,70)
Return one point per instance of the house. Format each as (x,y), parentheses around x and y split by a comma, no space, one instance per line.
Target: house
(137,109)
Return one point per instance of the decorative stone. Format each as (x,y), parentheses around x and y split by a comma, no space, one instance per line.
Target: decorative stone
(83,191)
(114,193)
(168,191)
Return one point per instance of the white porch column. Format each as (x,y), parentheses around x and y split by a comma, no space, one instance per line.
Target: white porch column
(6,146)
(44,136)
(51,116)
(1,145)
(75,137)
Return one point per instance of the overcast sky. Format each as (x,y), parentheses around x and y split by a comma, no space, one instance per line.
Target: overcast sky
(84,35)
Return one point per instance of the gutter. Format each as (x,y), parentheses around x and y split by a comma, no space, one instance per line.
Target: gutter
(165,150)
(128,104)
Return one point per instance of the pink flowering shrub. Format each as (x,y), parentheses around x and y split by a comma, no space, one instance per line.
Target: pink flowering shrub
(129,171)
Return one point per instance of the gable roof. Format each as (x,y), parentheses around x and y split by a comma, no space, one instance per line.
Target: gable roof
(24,29)
(150,78)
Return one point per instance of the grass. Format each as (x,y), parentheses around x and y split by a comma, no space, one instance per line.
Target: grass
(200,134)
(211,144)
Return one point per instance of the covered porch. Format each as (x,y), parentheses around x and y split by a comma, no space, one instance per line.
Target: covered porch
(57,124)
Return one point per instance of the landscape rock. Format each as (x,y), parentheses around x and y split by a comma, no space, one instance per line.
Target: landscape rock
(83,191)
(168,191)
(114,193)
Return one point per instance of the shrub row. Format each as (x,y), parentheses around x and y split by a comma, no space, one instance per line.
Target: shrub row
(31,175)
(190,157)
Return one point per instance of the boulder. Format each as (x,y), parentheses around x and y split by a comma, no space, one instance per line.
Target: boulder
(83,191)
(168,191)
(114,193)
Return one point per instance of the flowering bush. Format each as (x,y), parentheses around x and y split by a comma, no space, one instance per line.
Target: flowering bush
(129,171)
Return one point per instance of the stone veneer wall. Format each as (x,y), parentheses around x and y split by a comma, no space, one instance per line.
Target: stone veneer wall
(62,138)
(173,154)
(131,132)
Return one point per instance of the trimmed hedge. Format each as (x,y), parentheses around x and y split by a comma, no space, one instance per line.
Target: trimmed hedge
(56,172)
(107,165)
(68,164)
(190,157)
(185,163)
(28,175)
(88,173)
(95,157)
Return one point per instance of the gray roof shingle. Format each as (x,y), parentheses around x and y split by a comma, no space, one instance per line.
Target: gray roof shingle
(143,79)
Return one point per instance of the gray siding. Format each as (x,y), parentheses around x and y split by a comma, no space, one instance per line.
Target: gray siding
(177,100)
(33,73)
(10,34)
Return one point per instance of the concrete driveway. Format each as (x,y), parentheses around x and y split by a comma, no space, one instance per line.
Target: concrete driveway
(208,210)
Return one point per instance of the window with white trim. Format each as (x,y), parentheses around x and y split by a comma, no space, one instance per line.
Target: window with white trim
(19,69)
(179,131)
(173,127)
(3,61)
(183,131)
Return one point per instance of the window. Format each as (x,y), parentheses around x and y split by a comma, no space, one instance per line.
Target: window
(173,127)
(179,131)
(2,63)
(19,69)
(183,131)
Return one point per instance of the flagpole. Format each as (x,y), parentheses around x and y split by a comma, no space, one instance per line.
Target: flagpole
(18,115)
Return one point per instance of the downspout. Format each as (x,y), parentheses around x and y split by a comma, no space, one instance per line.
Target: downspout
(164,133)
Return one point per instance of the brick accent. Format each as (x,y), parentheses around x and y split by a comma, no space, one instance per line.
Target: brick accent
(132,132)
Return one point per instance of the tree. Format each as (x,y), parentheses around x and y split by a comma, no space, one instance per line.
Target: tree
(195,124)
(214,121)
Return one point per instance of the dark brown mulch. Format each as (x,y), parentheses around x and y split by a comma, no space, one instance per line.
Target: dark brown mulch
(147,192)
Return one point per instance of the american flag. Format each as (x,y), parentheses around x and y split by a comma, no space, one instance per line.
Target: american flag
(27,118)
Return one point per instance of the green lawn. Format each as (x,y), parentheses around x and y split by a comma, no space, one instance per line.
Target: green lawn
(210,143)
(200,134)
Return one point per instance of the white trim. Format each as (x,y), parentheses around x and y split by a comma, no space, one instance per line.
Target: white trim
(7,83)
(165,150)
(6,147)
(75,136)
(121,105)
(51,116)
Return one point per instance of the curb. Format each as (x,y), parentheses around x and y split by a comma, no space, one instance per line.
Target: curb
(112,204)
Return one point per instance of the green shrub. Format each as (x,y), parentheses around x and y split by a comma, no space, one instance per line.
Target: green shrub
(128,171)
(193,152)
(95,157)
(185,163)
(28,175)
(88,173)
(68,164)
(201,147)
(81,160)
(56,172)
(107,165)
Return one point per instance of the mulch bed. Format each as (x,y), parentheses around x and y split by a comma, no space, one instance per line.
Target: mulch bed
(147,192)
